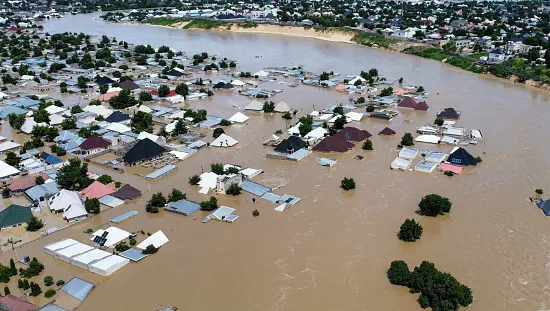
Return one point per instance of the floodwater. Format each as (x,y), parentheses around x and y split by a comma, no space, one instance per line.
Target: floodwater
(331,251)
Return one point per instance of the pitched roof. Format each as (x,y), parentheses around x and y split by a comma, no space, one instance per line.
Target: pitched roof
(350,133)
(13,215)
(128,85)
(290,145)
(423,106)
(544,205)
(127,192)
(97,190)
(462,157)
(117,116)
(17,303)
(94,142)
(387,131)
(407,102)
(448,113)
(224,141)
(174,73)
(104,80)
(26,182)
(143,150)
(333,144)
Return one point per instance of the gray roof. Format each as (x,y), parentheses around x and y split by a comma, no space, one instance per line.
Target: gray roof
(544,205)
(182,207)
(52,307)
(45,190)
(78,288)
(11,109)
(254,188)
(133,254)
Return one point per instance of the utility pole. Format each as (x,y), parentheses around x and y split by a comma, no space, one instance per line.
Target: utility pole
(13,248)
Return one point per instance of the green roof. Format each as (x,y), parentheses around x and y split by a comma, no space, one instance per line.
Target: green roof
(13,215)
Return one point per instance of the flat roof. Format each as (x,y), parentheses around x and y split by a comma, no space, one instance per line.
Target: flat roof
(108,262)
(124,216)
(133,254)
(75,249)
(254,188)
(91,256)
(61,244)
(78,288)
(161,172)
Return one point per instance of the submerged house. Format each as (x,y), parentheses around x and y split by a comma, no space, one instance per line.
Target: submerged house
(290,145)
(460,156)
(408,102)
(14,216)
(544,205)
(333,144)
(353,134)
(94,144)
(448,113)
(223,182)
(387,131)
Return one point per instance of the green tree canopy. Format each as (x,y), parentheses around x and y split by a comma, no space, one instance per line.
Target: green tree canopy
(142,122)
(73,176)
(434,205)
(410,231)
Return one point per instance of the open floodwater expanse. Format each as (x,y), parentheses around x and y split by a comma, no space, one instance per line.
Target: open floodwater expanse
(331,251)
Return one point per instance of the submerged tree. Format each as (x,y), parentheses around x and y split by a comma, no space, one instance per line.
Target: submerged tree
(347,183)
(410,231)
(407,140)
(434,205)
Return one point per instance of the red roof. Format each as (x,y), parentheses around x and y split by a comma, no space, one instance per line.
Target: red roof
(97,190)
(350,133)
(423,106)
(94,142)
(26,182)
(154,92)
(172,93)
(387,131)
(407,102)
(17,303)
(333,144)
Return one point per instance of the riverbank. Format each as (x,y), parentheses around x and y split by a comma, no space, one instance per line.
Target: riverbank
(341,35)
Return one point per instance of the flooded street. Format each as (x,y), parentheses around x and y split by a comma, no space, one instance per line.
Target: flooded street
(331,251)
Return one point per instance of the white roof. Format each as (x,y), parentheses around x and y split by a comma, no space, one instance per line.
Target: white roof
(114,89)
(224,141)
(408,153)
(399,163)
(7,170)
(431,139)
(54,109)
(114,235)
(254,105)
(158,239)
(75,210)
(476,134)
(352,82)
(282,107)
(144,108)
(315,113)
(237,82)
(30,124)
(180,154)
(108,262)
(316,133)
(238,118)
(250,172)
(75,249)
(118,127)
(144,135)
(454,131)
(63,199)
(261,73)
(60,244)
(222,211)
(177,115)
(208,181)
(175,99)
(348,119)
(91,256)
(295,130)
(354,116)
(99,109)
(170,127)
(56,119)
(7,145)
(2,95)
(325,116)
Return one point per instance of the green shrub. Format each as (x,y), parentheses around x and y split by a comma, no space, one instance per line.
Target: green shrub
(434,205)
(347,184)
(255,213)
(50,293)
(410,231)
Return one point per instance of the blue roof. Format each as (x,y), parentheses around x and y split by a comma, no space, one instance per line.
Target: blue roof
(52,307)
(183,207)
(27,103)
(78,288)
(271,197)
(133,254)
(11,109)
(287,198)
(254,188)
(44,190)
(65,135)
(124,216)
(110,201)
(50,159)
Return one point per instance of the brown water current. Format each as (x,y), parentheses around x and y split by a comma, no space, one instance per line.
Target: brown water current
(331,251)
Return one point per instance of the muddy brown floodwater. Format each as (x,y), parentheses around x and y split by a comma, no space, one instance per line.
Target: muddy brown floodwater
(331,251)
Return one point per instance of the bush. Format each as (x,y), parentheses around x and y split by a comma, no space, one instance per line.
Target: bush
(217,132)
(287,116)
(92,206)
(234,189)
(149,208)
(370,108)
(34,269)
(217,168)
(225,122)
(60,283)
(439,121)
(367,144)
(35,289)
(209,205)
(158,200)
(176,195)
(117,184)
(410,231)
(20,283)
(479,159)
(122,247)
(399,273)
(434,205)
(133,241)
(347,183)
(449,173)
(150,249)
(6,291)
(105,179)
(50,293)
(255,213)
(48,281)
(89,230)
(33,224)
(438,290)
(194,180)
(407,140)
(269,106)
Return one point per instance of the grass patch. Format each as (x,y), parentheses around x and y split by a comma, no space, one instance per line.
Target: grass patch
(370,40)
(164,21)
(248,25)
(205,24)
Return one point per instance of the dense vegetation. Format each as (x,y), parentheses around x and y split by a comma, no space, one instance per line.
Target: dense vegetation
(410,231)
(434,205)
(438,290)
